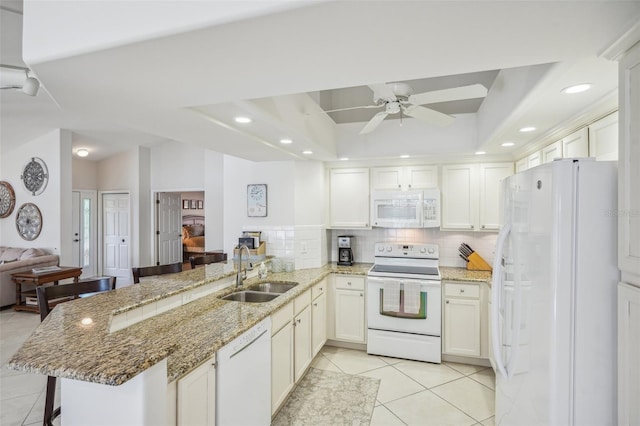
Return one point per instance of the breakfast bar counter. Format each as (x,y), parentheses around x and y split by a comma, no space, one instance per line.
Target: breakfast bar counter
(76,340)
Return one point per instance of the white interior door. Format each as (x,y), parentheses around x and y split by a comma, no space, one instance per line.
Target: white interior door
(84,238)
(115,229)
(168,228)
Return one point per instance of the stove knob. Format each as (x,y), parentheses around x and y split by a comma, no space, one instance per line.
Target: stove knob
(380,248)
(389,248)
(423,250)
(432,250)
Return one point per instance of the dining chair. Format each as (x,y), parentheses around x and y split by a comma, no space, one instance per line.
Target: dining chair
(206,259)
(148,271)
(50,296)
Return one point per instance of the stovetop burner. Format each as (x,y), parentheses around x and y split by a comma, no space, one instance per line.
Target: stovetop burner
(417,261)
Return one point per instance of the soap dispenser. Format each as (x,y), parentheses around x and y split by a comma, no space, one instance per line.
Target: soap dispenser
(262,271)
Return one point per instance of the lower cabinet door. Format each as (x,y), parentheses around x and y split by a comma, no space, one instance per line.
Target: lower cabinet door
(349,315)
(281,366)
(302,342)
(197,396)
(462,327)
(318,323)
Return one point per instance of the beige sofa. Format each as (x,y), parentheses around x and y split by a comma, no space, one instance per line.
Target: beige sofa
(14,259)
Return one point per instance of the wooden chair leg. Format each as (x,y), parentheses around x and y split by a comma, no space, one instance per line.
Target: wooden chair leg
(49,412)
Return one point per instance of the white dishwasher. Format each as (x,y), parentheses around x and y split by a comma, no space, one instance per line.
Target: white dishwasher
(243,378)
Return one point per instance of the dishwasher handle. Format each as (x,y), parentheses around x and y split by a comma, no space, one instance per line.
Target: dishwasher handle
(248,344)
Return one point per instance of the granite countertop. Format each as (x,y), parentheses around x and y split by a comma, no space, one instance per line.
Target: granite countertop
(462,274)
(187,335)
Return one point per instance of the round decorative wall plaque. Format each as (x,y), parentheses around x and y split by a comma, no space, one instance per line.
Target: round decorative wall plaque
(29,221)
(35,176)
(7,199)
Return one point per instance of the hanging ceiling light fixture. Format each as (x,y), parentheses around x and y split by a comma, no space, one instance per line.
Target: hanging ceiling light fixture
(30,85)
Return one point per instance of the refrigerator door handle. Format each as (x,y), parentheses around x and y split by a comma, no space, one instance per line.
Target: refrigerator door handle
(496,291)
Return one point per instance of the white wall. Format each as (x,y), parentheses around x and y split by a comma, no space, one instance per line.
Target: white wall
(214,201)
(177,166)
(85,174)
(54,203)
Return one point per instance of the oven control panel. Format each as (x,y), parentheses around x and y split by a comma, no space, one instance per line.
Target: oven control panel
(414,250)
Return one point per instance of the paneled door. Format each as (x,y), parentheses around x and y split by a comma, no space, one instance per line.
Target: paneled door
(115,229)
(168,228)
(84,238)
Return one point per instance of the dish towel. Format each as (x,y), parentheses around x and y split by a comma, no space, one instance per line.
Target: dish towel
(391,296)
(411,297)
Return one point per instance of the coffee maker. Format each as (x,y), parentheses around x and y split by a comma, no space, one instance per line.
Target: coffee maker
(345,254)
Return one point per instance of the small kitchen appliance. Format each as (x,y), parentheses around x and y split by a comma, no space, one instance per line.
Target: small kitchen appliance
(345,252)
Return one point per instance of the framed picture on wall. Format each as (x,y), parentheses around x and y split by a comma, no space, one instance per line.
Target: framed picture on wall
(193,204)
(200,204)
(257,200)
(185,204)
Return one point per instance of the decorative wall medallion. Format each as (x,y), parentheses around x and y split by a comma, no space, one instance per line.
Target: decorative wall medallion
(7,199)
(35,176)
(29,221)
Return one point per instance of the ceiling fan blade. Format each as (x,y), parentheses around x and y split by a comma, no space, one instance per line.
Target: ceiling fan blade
(374,122)
(382,91)
(428,115)
(453,94)
(358,107)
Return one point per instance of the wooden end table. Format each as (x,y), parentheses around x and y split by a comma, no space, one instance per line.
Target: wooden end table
(39,279)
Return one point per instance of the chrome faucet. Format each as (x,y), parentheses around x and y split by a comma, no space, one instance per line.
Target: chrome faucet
(241,276)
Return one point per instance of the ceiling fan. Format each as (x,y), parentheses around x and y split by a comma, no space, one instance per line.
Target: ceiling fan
(399,98)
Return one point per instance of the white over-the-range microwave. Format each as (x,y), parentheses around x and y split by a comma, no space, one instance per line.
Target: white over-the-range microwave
(406,209)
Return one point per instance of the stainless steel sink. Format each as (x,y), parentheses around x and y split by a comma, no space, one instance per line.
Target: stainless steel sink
(250,296)
(277,287)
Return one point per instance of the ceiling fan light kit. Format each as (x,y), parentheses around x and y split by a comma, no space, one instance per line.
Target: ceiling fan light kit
(30,86)
(399,98)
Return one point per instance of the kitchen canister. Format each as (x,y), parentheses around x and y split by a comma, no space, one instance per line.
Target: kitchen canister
(276,265)
(289,265)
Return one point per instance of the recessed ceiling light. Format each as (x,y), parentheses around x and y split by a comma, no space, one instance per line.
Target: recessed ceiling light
(344,158)
(404,156)
(578,88)
(481,152)
(242,120)
(508,144)
(527,129)
(307,152)
(82,152)
(286,141)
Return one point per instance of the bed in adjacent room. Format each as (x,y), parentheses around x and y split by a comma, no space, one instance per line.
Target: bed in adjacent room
(192,235)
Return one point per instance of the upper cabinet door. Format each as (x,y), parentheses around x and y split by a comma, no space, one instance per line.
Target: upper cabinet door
(551,152)
(459,196)
(629,168)
(576,144)
(386,178)
(490,176)
(421,177)
(349,198)
(404,178)
(603,138)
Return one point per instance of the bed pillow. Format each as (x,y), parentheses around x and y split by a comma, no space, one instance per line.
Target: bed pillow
(196,230)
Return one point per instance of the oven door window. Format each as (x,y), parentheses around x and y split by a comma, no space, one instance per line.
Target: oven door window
(422,313)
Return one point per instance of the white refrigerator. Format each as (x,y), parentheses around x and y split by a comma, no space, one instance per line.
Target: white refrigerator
(553,305)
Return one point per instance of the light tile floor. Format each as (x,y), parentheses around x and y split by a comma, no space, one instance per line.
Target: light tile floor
(410,393)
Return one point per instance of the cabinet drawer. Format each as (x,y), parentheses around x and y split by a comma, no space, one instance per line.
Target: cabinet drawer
(281,317)
(301,302)
(462,290)
(349,282)
(318,289)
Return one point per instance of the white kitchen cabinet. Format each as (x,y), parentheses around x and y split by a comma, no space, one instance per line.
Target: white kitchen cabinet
(404,178)
(461,319)
(628,215)
(470,194)
(522,164)
(576,144)
(551,152)
(302,342)
(603,138)
(318,317)
(282,338)
(629,354)
(459,196)
(490,176)
(197,396)
(349,198)
(349,309)
(534,159)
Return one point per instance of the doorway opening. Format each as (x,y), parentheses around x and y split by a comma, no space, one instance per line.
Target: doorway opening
(180,226)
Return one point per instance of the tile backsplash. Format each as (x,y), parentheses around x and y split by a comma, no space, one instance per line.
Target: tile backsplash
(448,241)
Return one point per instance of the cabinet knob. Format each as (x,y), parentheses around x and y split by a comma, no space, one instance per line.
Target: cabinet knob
(399,186)
(361,295)
(482,226)
(447,302)
(348,282)
(321,289)
(299,320)
(409,185)
(462,290)
(315,304)
(471,226)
